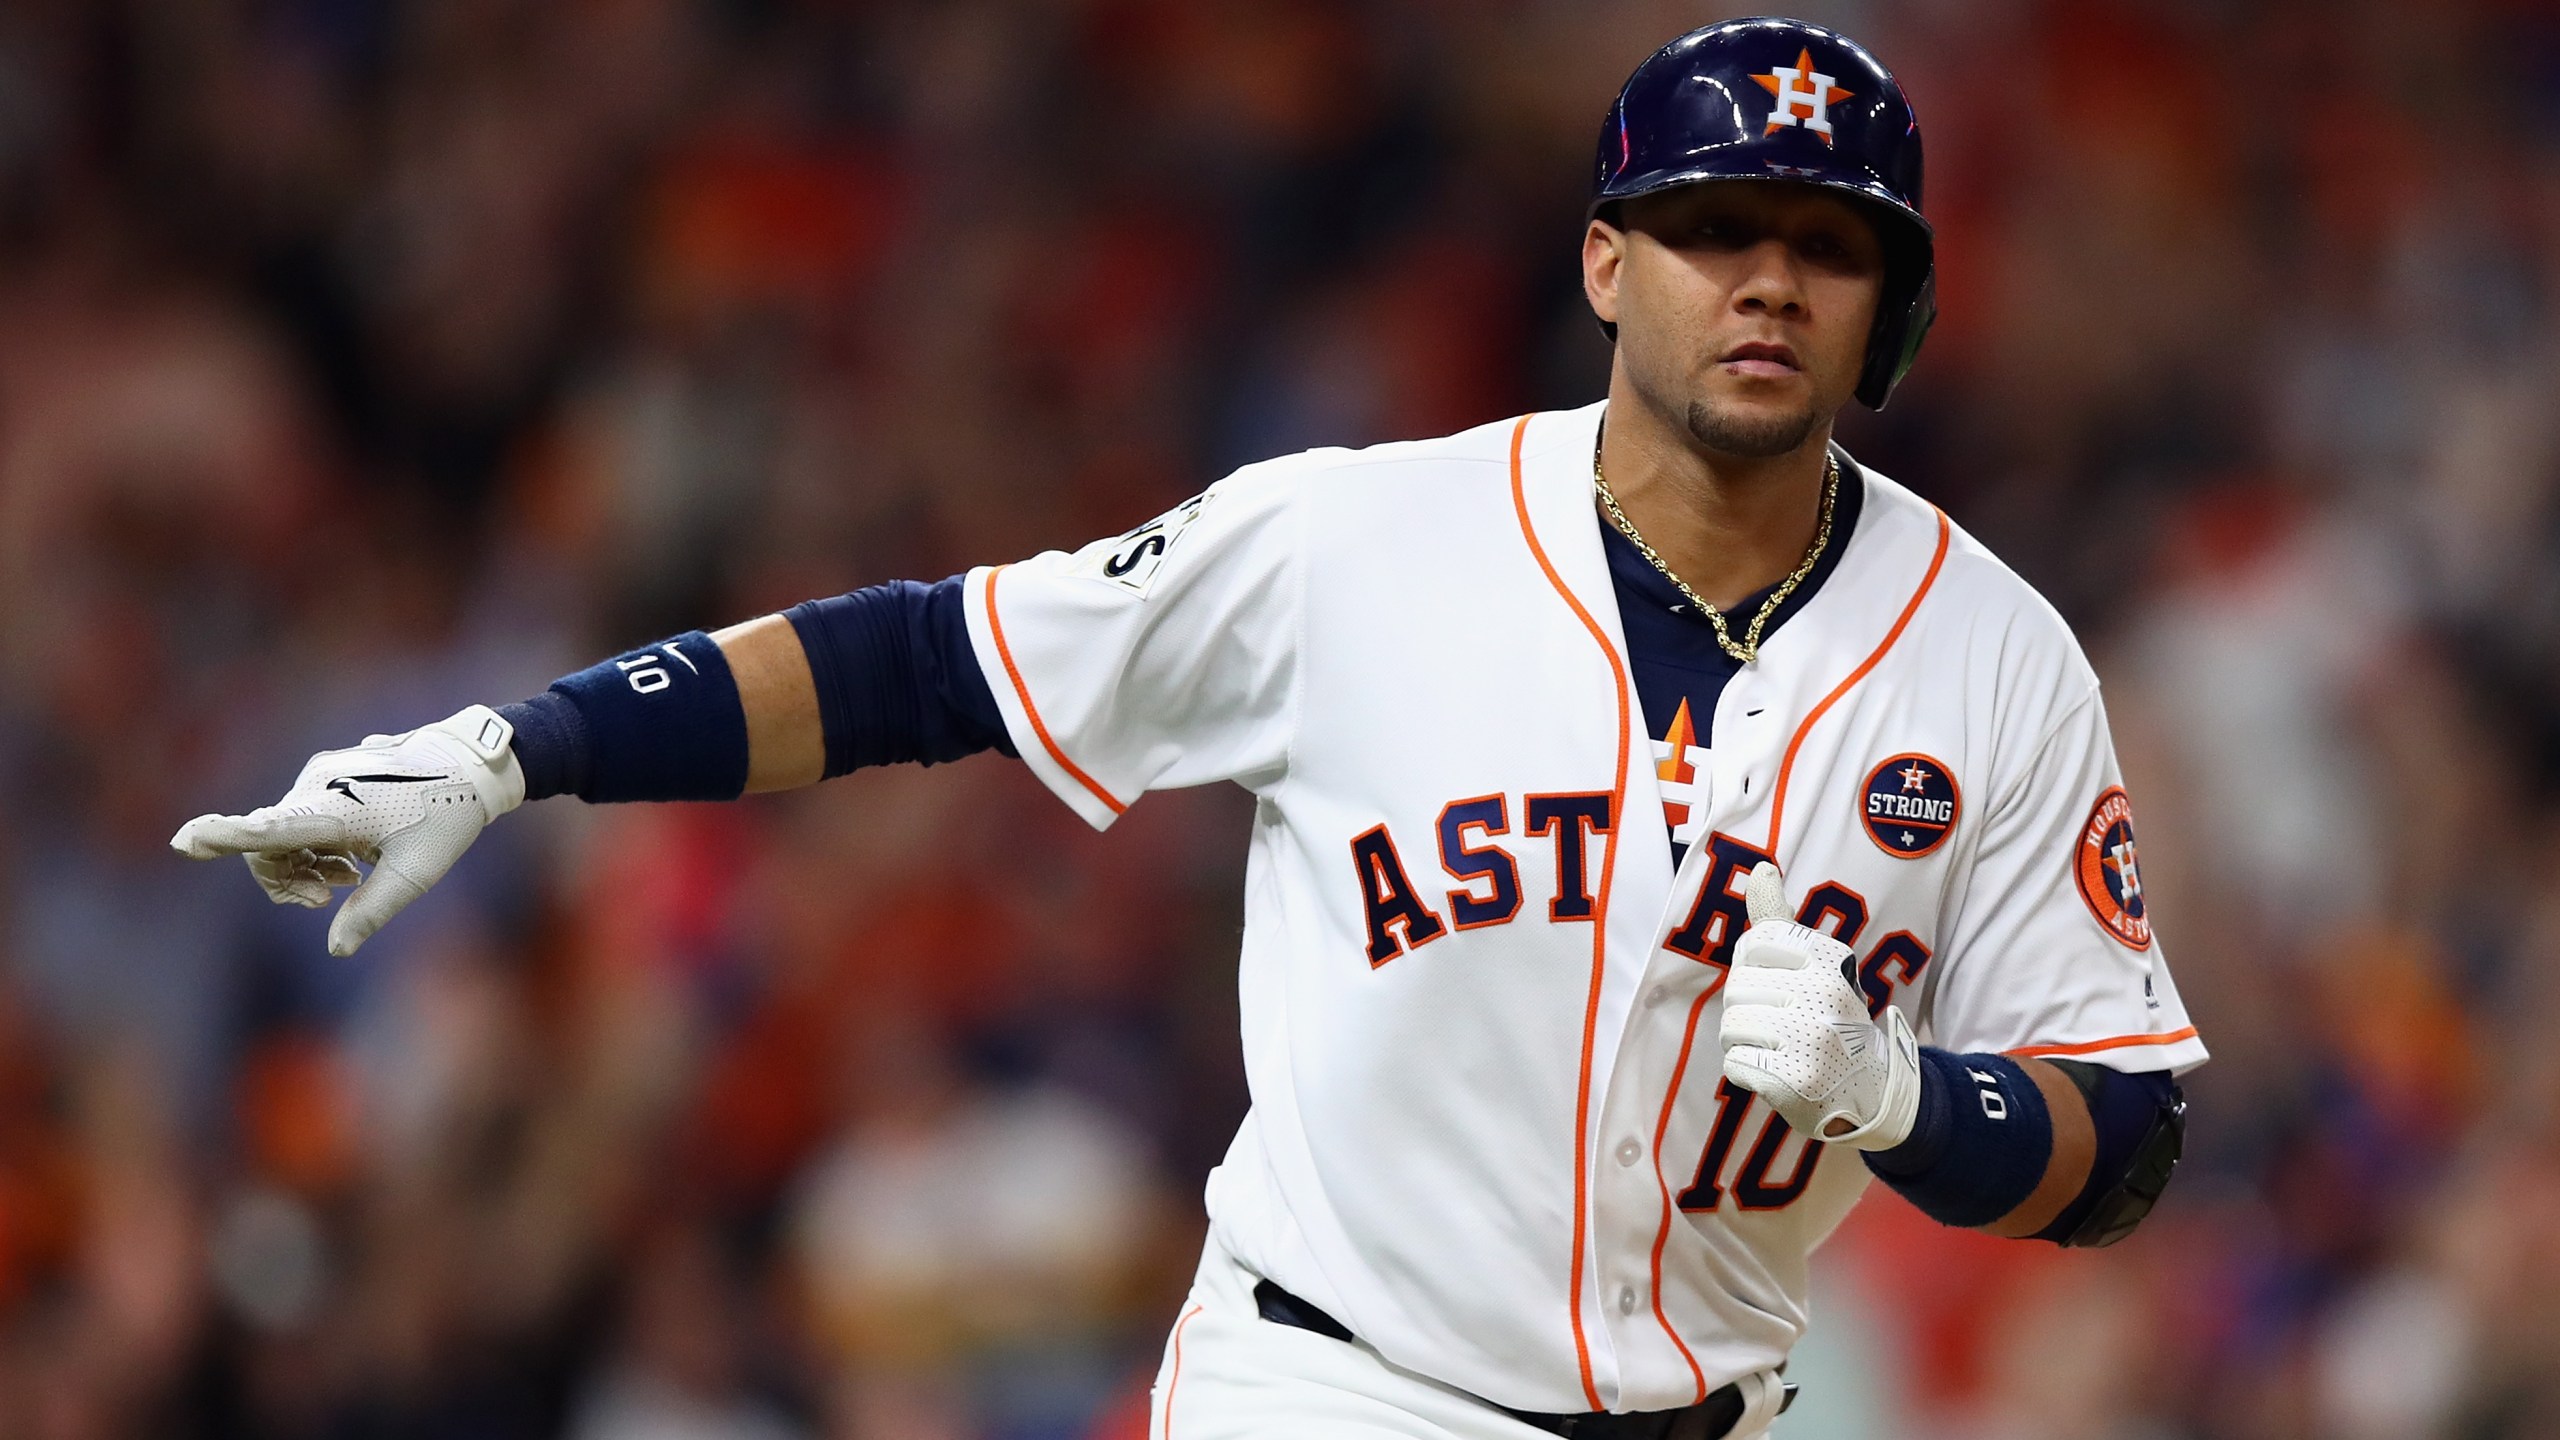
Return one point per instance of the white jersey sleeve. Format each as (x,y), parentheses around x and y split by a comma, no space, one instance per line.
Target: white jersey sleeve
(1155,659)
(2051,951)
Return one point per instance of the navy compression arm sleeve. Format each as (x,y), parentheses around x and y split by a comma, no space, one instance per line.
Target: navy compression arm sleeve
(897,678)
(2124,1108)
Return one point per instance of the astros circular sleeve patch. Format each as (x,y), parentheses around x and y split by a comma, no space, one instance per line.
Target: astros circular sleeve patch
(2109,871)
(1909,805)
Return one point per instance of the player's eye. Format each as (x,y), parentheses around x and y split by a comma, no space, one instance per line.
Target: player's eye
(1836,250)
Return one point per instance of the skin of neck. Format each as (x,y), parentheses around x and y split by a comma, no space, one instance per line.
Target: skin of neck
(1729,525)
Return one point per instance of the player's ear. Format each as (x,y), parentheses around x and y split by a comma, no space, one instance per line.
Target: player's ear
(1604,250)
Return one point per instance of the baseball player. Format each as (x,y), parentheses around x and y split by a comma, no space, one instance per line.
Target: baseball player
(1637,788)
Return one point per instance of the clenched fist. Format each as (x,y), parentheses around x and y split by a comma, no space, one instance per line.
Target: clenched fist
(1797,1033)
(408,805)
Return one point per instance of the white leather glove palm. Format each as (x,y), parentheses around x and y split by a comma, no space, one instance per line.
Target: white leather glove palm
(408,805)
(1796,1031)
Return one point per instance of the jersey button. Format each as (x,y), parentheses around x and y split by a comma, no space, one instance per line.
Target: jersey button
(1626,1299)
(1654,996)
(1629,1152)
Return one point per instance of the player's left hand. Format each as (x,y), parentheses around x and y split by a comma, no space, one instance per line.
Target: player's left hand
(1797,1033)
(406,804)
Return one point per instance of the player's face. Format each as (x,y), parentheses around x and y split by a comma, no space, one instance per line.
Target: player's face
(1743,308)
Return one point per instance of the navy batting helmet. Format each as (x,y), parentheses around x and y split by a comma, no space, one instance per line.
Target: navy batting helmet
(1772,99)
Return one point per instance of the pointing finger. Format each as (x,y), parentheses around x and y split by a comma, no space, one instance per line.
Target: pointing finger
(1765,894)
(191,839)
(209,836)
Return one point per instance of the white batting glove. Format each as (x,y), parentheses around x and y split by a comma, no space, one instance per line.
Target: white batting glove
(1797,1033)
(408,805)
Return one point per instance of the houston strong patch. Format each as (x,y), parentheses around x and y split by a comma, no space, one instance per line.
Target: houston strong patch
(1909,805)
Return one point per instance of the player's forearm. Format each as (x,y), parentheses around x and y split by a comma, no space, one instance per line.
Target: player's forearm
(786,740)
(2066,1170)
(883,675)
(2031,1148)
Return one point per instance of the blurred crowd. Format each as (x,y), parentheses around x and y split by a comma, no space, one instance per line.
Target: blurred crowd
(361,359)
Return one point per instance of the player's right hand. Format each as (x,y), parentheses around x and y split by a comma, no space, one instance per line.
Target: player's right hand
(408,805)
(1797,1034)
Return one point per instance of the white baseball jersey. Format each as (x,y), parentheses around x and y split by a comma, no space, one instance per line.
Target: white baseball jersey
(1489,1131)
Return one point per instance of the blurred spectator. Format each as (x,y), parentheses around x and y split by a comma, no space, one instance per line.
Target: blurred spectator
(959,1241)
(678,1373)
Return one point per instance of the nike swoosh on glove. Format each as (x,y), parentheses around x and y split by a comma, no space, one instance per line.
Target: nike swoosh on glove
(1796,1031)
(408,805)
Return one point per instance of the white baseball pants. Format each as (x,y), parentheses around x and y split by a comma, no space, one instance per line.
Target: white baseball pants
(1229,1374)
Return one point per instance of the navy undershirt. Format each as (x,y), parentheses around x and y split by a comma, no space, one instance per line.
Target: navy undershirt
(1672,649)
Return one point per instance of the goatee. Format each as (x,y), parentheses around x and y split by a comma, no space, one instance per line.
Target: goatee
(1756,437)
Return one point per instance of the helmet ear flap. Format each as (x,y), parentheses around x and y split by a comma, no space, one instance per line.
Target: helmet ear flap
(1895,341)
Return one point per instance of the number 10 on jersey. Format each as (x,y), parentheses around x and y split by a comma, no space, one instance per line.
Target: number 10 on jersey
(1756,1185)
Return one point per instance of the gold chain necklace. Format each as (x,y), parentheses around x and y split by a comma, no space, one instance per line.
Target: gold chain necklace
(1748,652)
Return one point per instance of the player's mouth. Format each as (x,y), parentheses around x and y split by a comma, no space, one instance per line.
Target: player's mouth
(1761,359)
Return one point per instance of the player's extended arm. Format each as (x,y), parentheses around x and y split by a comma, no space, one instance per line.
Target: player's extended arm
(2022,1147)
(880,675)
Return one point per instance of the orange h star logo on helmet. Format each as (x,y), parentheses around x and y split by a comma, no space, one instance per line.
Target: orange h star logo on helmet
(1800,88)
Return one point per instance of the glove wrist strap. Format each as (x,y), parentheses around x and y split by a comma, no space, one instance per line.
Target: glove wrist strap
(488,740)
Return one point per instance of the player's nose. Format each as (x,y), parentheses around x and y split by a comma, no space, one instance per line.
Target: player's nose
(1770,282)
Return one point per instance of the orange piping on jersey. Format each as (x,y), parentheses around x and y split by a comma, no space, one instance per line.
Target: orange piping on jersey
(1661,1128)
(2113,1042)
(1013,672)
(1176,1377)
(1786,767)
(1600,913)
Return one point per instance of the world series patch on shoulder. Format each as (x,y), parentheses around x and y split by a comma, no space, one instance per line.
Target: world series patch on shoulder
(2110,872)
(1131,561)
(1909,805)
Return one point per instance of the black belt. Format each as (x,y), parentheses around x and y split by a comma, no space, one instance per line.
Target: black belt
(1710,1419)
